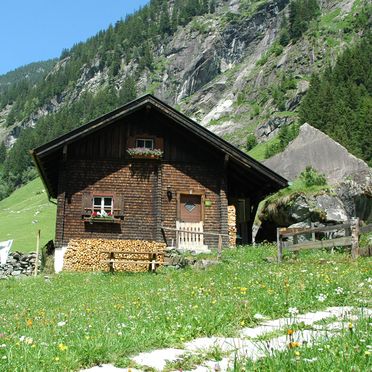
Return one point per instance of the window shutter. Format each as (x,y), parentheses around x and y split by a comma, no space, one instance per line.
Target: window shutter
(131,142)
(159,143)
(87,204)
(118,205)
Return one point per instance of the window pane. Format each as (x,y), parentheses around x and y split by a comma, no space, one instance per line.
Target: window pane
(149,144)
(140,143)
(108,202)
(97,201)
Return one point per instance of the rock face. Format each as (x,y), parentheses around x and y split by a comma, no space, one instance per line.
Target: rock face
(212,69)
(313,147)
(348,200)
(271,128)
(19,264)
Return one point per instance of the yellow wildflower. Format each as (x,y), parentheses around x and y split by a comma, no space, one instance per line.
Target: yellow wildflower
(62,347)
(29,322)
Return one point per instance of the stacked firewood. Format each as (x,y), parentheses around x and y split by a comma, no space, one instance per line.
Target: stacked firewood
(85,255)
(231,221)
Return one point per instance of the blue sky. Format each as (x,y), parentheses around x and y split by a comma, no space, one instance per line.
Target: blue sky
(35,30)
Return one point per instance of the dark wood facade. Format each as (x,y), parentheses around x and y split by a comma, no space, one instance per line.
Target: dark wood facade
(148,193)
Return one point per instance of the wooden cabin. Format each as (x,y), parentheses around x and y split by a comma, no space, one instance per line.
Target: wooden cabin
(144,169)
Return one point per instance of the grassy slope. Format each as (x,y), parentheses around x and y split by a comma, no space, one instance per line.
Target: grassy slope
(258,152)
(80,320)
(26,205)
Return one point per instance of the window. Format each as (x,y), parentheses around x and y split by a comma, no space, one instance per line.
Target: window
(103,205)
(145,143)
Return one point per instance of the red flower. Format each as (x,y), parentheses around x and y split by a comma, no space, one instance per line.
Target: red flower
(94,214)
(109,214)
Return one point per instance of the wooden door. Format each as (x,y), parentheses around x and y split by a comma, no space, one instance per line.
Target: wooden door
(190,208)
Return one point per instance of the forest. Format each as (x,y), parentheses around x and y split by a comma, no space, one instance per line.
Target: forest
(339,101)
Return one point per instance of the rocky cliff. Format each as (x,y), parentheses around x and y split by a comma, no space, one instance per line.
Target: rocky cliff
(221,68)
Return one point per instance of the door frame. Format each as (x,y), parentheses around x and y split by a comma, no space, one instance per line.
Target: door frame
(202,199)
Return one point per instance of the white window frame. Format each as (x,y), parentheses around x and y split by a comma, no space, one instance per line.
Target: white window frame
(101,206)
(148,140)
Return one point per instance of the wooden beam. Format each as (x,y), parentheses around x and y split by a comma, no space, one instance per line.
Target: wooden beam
(288,231)
(339,242)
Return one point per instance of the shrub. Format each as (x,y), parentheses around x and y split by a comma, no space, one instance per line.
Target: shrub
(251,141)
(310,177)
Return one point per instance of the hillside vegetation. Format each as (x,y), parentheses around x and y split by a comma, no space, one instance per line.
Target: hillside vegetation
(211,60)
(24,212)
(339,102)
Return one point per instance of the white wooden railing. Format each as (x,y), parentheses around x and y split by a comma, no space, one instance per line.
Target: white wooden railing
(190,235)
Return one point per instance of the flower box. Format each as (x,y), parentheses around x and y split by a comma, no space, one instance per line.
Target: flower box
(143,153)
(92,220)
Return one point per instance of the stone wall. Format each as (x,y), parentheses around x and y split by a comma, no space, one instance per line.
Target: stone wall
(18,265)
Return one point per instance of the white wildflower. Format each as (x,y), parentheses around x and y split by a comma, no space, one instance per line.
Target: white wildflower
(321,297)
(293,311)
(339,290)
(311,360)
(61,324)
(2,346)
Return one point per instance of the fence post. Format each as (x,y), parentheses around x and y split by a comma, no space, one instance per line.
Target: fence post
(279,244)
(219,246)
(354,238)
(177,238)
(37,252)
(313,233)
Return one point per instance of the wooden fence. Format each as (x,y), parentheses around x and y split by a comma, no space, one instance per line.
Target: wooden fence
(351,238)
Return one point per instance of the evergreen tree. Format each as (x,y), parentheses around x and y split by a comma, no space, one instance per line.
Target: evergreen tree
(2,152)
(128,92)
(339,102)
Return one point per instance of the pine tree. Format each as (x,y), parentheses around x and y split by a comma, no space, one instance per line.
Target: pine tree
(128,91)
(165,23)
(2,152)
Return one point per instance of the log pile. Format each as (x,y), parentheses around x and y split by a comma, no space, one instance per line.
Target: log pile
(231,221)
(85,255)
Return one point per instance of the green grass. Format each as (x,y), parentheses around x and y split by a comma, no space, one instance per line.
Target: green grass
(79,320)
(24,212)
(258,152)
(347,352)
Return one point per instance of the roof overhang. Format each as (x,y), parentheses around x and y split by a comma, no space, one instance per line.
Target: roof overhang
(243,161)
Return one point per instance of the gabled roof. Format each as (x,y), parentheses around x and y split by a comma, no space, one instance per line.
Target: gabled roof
(49,150)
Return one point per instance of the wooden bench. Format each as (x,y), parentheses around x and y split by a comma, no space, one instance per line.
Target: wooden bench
(151,261)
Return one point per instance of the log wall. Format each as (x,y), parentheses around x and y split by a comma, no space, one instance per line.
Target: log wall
(99,164)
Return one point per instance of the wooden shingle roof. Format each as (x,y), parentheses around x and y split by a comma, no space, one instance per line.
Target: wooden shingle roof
(48,155)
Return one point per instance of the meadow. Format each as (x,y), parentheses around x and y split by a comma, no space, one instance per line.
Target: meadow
(24,212)
(68,321)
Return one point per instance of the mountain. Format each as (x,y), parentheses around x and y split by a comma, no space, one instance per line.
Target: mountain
(31,73)
(239,67)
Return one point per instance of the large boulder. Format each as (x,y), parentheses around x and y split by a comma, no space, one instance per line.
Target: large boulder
(314,148)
